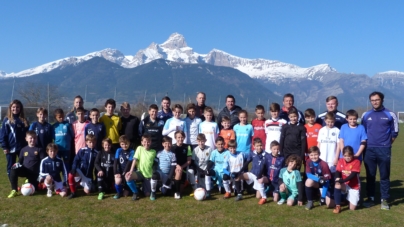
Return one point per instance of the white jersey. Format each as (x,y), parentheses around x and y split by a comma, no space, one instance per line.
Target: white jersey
(172,125)
(201,157)
(273,129)
(328,139)
(235,162)
(192,130)
(211,131)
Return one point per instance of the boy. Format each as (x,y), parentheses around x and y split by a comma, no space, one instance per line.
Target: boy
(200,156)
(318,175)
(166,167)
(219,156)
(312,130)
(244,132)
(274,163)
(95,128)
(152,126)
(256,175)
(273,126)
(27,165)
(209,128)
(143,160)
(328,141)
(175,123)
(293,137)
(112,123)
(63,138)
(226,132)
(51,169)
(290,182)
(78,129)
(104,165)
(192,125)
(352,134)
(183,155)
(130,126)
(258,125)
(43,129)
(233,168)
(83,167)
(123,161)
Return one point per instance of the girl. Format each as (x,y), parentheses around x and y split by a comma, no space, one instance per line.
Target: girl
(12,135)
(78,102)
(347,180)
(244,133)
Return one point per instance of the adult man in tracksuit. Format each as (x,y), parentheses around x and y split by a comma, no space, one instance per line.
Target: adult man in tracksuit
(382,129)
(231,110)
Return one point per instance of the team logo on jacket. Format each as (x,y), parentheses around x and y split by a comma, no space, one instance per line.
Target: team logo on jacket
(41,131)
(369,119)
(147,125)
(57,164)
(319,171)
(25,153)
(35,152)
(161,123)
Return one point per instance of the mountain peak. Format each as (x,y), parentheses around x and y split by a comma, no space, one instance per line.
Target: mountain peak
(175,41)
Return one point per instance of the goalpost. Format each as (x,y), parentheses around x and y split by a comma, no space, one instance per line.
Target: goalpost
(400,117)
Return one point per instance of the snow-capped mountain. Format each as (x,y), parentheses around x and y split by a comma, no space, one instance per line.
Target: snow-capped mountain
(176,49)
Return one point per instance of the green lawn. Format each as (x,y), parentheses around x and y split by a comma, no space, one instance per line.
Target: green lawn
(38,210)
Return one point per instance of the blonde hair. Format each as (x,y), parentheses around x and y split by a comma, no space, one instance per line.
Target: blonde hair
(21,115)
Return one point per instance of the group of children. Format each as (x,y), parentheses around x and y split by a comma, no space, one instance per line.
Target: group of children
(266,155)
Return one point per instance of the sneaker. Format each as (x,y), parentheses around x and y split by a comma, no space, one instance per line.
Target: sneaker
(262,201)
(369,202)
(177,196)
(385,205)
(49,193)
(309,205)
(117,196)
(337,209)
(71,196)
(26,181)
(227,195)
(281,201)
(322,201)
(153,196)
(13,194)
(101,196)
(239,197)
(135,197)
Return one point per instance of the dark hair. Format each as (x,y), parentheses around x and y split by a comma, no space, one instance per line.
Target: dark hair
(329,98)
(232,143)
(80,109)
(313,149)
(153,107)
(51,146)
(43,110)
(31,133)
(289,95)
(167,139)
(225,118)
(177,106)
(166,98)
(274,107)
(58,111)
(107,140)
(146,137)
(201,137)
(352,113)
(257,140)
(381,95)
(309,113)
(260,107)
(91,137)
(110,102)
(219,138)
(94,110)
(191,106)
(329,116)
(124,139)
(243,112)
(348,149)
(179,132)
(208,109)
(293,111)
(231,97)
(274,143)
(292,158)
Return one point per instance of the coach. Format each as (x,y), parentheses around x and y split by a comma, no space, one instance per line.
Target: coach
(382,129)
(288,102)
(331,103)
(200,106)
(230,110)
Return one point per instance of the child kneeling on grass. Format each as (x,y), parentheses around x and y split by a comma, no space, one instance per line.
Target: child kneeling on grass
(290,182)
(143,160)
(122,163)
(347,180)
(104,164)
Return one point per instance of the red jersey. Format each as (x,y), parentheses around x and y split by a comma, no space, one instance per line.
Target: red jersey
(227,134)
(346,168)
(312,134)
(259,132)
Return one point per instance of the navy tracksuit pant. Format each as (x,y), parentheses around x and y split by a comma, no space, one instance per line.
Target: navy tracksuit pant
(378,157)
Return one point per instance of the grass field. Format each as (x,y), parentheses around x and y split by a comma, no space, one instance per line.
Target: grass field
(38,210)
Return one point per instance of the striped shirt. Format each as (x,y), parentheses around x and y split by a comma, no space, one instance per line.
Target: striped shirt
(166,159)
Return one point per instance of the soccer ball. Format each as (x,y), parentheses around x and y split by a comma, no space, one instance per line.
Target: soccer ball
(200,194)
(27,189)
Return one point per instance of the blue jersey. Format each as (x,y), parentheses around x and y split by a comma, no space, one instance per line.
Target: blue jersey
(244,134)
(98,130)
(12,135)
(273,166)
(44,133)
(63,135)
(381,126)
(53,167)
(84,160)
(258,163)
(123,158)
(166,159)
(219,158)
(234,163)
(352,137)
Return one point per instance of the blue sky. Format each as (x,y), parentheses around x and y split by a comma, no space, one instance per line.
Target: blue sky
(352,36)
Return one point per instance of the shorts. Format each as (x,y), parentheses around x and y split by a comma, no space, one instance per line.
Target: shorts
(253,179)
(86,183)
(146,187)
(275,187)
(58,186)
(353,195)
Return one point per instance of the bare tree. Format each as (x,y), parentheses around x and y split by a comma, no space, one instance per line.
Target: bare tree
(36,94)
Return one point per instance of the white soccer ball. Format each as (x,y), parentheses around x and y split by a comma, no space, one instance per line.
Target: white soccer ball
(27,189)
(200,194)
